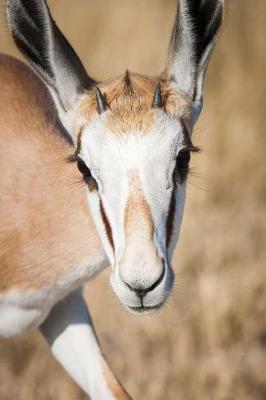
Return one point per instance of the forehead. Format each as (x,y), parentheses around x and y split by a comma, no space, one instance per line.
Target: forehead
(131,133)
(129,99)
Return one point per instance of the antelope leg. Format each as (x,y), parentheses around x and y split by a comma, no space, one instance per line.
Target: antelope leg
(69,331)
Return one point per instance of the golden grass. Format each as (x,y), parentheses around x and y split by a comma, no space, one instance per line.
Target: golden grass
(209,343)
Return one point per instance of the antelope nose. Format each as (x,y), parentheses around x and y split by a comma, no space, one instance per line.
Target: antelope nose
(143,286)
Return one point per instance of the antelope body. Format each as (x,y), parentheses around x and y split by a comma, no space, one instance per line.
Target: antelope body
(130,139)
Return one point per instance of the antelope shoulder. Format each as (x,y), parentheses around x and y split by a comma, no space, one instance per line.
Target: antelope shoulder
(48,243)
(23,309)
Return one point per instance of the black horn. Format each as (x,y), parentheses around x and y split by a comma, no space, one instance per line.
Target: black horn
(127,79)
(157,99)
(101,103)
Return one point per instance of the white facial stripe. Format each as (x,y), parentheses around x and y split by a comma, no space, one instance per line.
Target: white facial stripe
(111,157)
(107,225)
(134,172)
(179,203)
(95,208)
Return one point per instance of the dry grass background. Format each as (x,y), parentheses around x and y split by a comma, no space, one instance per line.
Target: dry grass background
(209,343)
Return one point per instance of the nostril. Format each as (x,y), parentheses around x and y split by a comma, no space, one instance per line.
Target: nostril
(140,291)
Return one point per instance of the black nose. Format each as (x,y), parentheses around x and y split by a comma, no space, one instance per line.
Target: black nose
(141,291)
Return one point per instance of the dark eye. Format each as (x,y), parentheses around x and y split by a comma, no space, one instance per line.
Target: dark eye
(83,169)
(87,176)
(182,166)
(183,159)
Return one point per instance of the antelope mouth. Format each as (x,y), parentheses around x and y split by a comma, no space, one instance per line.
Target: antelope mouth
(145,309)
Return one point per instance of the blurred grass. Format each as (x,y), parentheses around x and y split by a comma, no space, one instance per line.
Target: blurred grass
(209,343)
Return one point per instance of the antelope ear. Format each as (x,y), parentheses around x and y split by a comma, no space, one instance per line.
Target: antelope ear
(195,32)
(47,50)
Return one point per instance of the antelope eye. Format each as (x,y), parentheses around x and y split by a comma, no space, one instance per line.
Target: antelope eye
(87,176)
(83,169)
(182,166)
(183,159)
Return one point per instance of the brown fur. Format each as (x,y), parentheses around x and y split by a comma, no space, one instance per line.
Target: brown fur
(130,100)
(137,210)
(138,223)
(46,229)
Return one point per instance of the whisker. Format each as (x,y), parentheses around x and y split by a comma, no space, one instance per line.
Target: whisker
(195,173)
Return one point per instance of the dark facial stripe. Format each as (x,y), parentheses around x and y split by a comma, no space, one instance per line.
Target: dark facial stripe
(170,219)
(107,225)
(79,141)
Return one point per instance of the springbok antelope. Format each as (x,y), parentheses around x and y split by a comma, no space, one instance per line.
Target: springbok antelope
(130,141)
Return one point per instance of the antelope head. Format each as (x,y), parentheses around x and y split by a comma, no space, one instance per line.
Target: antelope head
(132,139)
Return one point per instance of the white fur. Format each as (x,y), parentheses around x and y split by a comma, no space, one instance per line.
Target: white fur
(152,155)
(69,332)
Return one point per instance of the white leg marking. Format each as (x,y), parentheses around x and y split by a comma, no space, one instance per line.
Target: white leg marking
(69,331)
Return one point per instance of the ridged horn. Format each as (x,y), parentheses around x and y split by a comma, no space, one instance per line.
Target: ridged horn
(101,103)
(127,78)
(157,99)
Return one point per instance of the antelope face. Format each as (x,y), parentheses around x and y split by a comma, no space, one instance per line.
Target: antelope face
(132,139)
(134,156)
